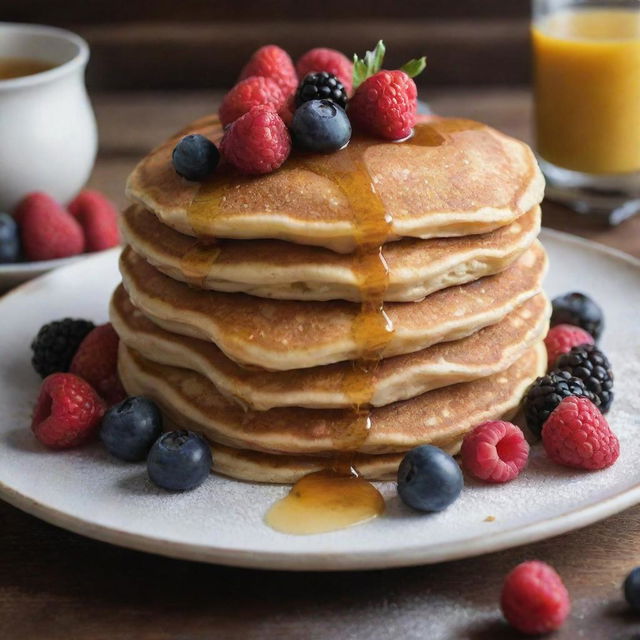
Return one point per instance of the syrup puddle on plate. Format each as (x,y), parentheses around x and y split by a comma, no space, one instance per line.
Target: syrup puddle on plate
(325,501)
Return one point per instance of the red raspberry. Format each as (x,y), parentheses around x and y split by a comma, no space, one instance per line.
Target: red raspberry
(96,361)
(385,105)
(562,338)
(67,413)
(272,62)
(98,218)
(47,230)
(495,451)
(577,435)
(322,59)
(257,142)
(534,599)
(250,92)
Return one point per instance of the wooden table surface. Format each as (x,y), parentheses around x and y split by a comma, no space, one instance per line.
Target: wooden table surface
(57,585)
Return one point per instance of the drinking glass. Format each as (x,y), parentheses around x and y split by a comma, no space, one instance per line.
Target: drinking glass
(586,59)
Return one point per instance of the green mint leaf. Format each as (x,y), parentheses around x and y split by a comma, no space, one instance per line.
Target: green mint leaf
(370,64)
(378,56)
(414,67)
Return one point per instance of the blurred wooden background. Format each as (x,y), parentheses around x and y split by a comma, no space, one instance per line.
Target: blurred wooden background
(196,44)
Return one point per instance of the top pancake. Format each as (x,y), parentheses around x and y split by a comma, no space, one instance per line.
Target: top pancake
(452,178)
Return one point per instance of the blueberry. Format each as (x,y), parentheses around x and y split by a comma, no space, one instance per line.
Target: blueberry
(9,239)
(195,157)
(632,589)
(580,310)
(130,427)
(429,479)
(179,461)
(321,126)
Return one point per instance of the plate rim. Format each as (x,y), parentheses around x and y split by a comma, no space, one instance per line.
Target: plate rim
(325,560)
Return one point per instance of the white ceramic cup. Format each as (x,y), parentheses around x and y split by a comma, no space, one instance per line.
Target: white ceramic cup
(48,135)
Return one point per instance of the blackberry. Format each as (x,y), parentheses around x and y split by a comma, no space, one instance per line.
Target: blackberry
(56,343)
(589,364)
(546,393)
(580,310)
(321,85)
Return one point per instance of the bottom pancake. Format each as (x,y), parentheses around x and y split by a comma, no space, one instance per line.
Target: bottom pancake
(257,466)
(440,417)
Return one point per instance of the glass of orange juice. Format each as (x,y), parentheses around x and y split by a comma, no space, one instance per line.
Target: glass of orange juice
(587,103)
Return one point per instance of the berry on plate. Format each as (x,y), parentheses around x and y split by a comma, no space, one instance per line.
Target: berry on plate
(130,428)
(562,338)
(534,599)
(195,157)
(56,344)
(9,239)
(98,218)
(47,230)
(632,589)
(495,451)
(321,86)
(385,103)
(96,361)
(429,479)
(250,92)
(67,412)
(546,393)
(275,63)
(578,309)
(321,126)
(577,435)
(179,461)
(589,364)
(257,142)
(329,60)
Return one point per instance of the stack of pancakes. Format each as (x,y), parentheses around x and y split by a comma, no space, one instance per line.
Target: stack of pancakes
(347,307)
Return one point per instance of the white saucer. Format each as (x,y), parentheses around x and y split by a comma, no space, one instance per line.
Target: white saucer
(15,273)
(88,492)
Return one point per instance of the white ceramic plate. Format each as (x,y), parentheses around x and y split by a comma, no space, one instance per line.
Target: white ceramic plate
(13,274)
(88,492)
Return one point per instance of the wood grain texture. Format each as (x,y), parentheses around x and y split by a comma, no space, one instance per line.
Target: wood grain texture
(76,11)
(56,585)
(196,44)
(168,55)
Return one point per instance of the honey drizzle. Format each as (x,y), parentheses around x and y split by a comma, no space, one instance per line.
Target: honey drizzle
(371,328)
(196,263)
(337,497)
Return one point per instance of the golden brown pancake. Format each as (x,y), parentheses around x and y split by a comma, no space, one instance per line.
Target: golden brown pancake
(286,334)
(257,466)
(276,269)
(438,417)
(453,178)
(484,353)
